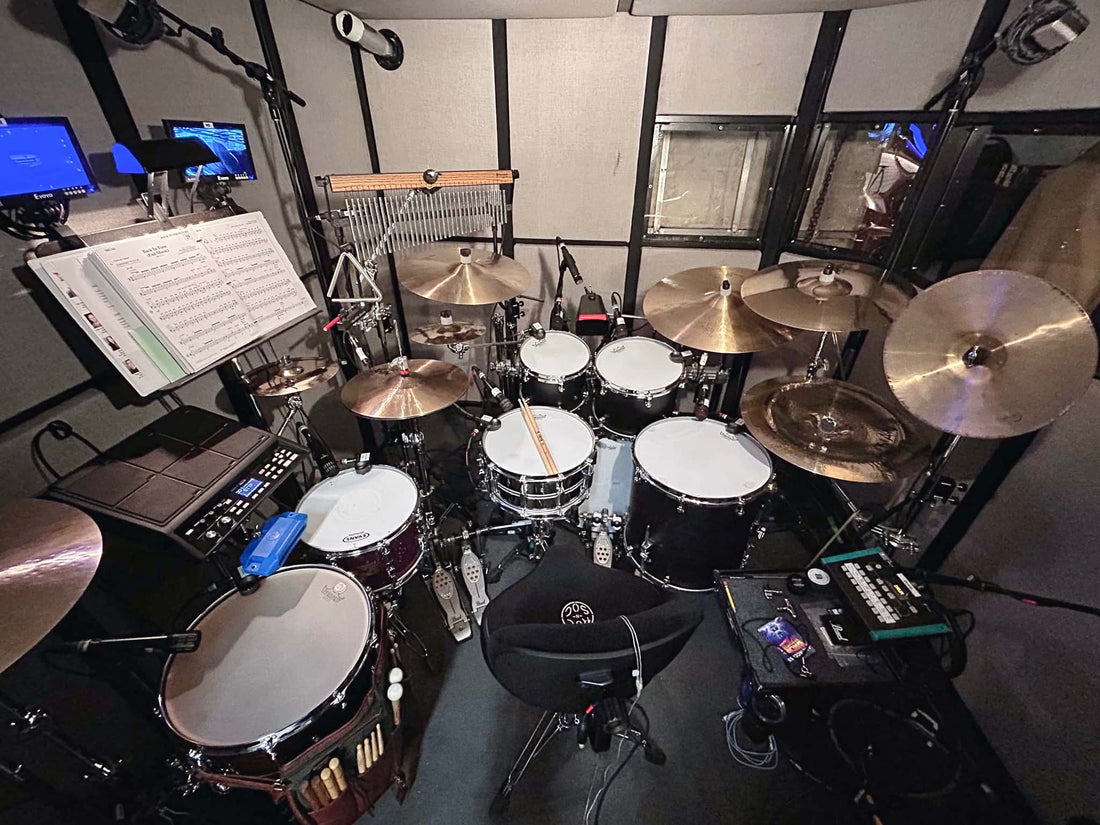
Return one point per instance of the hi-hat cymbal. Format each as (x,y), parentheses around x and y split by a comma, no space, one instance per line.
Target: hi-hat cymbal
(289,375)
(702,308)
(834,429)
(990,354)
(393,393)
(826,296)
(456,332)
(463,276)
(48,554)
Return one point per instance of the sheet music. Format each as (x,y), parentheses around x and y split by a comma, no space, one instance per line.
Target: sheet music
(173,283)
(66,275)
(257,269)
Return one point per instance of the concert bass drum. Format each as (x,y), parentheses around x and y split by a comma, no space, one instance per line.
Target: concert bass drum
(638,382)
(698,487)
(555,370)
(276,670)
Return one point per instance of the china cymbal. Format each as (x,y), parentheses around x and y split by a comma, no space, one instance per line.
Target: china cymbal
(392,393)
(702,309)
(289,375)
(990,354)
(456,332)
(48,554)
(826,296)
(463,276)
(834,429)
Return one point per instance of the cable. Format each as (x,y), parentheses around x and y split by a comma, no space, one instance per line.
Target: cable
(60,430)
(767,760)
(602,794)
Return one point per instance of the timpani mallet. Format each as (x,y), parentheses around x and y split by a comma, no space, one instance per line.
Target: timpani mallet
(396,675)
(394,694)
(330,783)
(338,773)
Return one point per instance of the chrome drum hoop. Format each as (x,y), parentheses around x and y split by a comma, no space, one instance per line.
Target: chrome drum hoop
(641,475)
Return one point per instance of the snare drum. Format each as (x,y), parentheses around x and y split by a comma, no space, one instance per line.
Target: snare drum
(516,476)
(638,383)
(276,670)
(697,490)
(555,369)
(366,524)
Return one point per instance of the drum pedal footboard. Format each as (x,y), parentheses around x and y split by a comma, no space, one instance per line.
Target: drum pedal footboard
(443,585)
(602,549)
(474,576)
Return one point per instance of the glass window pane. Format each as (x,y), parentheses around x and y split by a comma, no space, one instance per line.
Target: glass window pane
(862,176)
(712,179)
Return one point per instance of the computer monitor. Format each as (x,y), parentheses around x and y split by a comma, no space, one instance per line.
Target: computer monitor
(40,159)
(229,141)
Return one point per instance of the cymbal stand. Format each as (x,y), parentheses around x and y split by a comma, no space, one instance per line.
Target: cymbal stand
(29,722)
(820,363)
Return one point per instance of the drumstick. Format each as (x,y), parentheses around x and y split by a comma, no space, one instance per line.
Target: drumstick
(540,442)
(373,749)
(378,730)
(338,773)
(360,759)
(330,783)
(309,796)
(319,791)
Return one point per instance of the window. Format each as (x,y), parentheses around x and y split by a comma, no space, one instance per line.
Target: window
(712,177)
(862,174)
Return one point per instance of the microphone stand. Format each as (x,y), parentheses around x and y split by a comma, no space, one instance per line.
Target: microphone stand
(984,586)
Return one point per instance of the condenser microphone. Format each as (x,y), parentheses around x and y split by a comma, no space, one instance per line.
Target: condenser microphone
(568,261)
(171,642)
(618,322)
(319,451)
(487,387)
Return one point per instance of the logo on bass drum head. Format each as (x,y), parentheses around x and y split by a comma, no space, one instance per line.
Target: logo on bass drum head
(355,537)
(577,613)
(334,592)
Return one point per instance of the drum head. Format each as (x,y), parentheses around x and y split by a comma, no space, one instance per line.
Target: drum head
(701,459)
(639,364)
(350,510)
(268,660)
(511,448)
(558,354)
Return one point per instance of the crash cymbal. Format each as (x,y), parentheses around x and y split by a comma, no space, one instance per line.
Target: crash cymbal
(826,296)
(990,354)
(702,308)
(834,429)
(48,554)
(393,393)
(463,276)
(456,332)
(289,375)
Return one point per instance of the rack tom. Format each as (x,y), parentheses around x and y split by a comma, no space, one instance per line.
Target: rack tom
(638,384)
(697,491)
(555,369)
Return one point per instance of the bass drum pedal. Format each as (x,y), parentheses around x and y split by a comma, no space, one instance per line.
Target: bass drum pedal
(602,534)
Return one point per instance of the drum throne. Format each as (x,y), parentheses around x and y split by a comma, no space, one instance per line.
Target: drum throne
(557,640)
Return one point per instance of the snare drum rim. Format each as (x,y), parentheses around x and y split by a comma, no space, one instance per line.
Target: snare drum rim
(582,473)
(609,385)
(556,379)
(641,474)
(272,739)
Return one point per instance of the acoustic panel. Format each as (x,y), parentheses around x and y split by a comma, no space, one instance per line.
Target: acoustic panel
(896,58)
(575,92)
(469,9)
(745,7)
(747,65)
(438,109)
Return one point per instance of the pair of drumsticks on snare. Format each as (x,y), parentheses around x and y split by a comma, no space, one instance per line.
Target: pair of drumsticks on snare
(536,435)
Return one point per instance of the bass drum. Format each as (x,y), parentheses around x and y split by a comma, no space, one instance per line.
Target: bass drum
(276,670)
(638,383)
(697,490)
(555,370)
(366,524)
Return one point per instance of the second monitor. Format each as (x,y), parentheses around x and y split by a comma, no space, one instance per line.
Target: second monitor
(229,141)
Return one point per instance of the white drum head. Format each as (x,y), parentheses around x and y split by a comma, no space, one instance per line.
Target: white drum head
(639,364)
(700,459)
(269,659)
(511,448)
(350,511)
(558,354)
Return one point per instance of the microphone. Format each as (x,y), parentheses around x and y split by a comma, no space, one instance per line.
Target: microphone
(170,642)
(487,387)
(319,451)
(618,326)
(703,393)
(384,44)
(537,331)
(569,262)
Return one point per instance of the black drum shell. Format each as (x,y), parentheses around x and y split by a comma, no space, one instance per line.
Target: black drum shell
(568,394)
(627,415)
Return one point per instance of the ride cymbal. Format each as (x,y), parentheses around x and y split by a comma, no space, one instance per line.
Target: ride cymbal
(702,309)
(456,332)
(48,554)
(990,354)
(826,296)
(288,376)
(394,392)
(463,276)
(834,429)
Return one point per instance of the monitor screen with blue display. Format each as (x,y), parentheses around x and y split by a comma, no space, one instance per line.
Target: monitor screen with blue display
(228,141)
(40,158)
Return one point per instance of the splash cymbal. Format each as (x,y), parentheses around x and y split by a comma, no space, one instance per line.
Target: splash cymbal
(399,391)
(990,354)
(456,332)
(288,376)
(48,554)
(463,276)
(826,296)
(834,429)
(702,309)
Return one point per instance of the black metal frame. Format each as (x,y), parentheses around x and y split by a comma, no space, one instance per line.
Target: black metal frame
(503,128)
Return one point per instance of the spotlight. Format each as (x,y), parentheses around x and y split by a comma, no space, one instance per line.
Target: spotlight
(384,44)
